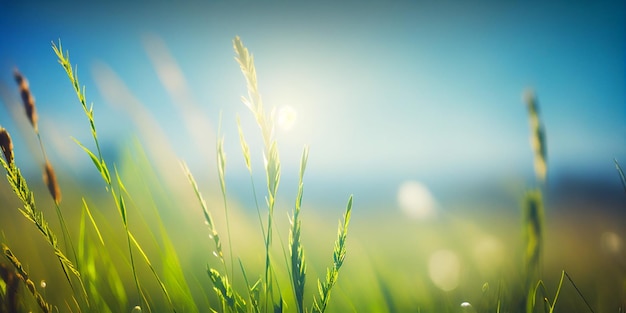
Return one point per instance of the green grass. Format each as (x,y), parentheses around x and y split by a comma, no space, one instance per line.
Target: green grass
(150,254)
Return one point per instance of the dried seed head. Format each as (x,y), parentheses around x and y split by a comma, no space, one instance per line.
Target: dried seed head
(6,145)
(50,179)
(27,98)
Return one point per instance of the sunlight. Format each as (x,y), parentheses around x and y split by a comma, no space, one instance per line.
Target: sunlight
(416,200)
(286,118)
(444,268)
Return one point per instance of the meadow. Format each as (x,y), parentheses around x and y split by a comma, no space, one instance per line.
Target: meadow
(116,241)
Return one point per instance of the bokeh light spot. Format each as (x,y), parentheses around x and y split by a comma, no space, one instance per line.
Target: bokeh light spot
(415,200)
(444,268)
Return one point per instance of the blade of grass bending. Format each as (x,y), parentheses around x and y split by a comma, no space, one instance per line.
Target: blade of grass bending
(339,255)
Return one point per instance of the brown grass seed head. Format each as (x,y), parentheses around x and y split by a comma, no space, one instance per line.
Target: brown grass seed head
(6,145)
(50,179)
(27,98)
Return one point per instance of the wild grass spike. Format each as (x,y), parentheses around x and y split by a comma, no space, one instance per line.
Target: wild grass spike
(339,255)
(296,250)
(30,211)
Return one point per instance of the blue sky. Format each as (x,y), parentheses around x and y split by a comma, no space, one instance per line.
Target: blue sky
(384,91)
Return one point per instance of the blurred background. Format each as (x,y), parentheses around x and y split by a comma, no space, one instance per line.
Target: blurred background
(414,107)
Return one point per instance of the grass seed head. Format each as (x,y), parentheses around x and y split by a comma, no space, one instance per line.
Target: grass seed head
(6,145)
(50,179)
(27,98)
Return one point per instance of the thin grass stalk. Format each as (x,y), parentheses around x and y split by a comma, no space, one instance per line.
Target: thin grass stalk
(579,292)
(296,250)
(339,255)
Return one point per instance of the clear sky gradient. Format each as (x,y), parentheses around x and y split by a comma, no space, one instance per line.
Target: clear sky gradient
(384,91)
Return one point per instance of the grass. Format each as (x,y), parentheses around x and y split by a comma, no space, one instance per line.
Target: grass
(135,263)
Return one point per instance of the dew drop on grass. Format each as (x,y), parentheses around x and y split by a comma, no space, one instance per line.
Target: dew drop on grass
(215,253)
(466,307)
(136,309)
(43,284)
